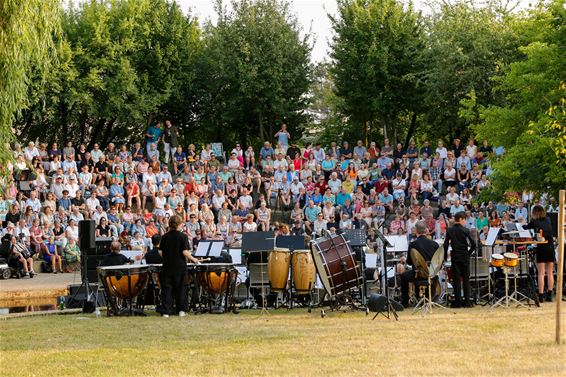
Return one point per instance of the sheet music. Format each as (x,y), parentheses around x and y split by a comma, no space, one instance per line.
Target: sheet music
(215,249)
(236,255)
(400,243)
(371,260)
(202,249)
(132,254)
(492,236)
(523,233)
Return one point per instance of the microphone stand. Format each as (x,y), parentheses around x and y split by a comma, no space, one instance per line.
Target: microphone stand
(390,308)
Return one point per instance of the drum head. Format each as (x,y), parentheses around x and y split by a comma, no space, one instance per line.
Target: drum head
(510,256)
(496,256)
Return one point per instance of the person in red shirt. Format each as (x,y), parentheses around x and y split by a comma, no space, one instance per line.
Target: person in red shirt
(381,185)
(321,185)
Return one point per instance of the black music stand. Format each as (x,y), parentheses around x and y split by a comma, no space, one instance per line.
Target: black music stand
(258,242)
(292,243)
(357,239)
(390,308)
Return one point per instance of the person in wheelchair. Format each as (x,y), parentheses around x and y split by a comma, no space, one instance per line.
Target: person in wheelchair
(426,247)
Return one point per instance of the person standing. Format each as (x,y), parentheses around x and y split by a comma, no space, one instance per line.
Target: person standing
(152,135)
(544,252)
(170,140)
(283,136)
(175,251)
(463,245)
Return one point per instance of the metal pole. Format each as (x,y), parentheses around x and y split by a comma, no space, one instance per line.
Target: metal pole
(560,272)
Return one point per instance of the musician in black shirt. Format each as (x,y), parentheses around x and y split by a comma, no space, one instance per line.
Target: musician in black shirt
(175,251)
(544,253)
(463,245)
(115,258)
(153,256)
(426,247)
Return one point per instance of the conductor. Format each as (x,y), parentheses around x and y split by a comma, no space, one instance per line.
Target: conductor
(463,245)
(426,247)
(174,249)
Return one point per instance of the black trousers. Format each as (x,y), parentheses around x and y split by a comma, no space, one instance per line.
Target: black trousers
(173,291)
(461,271)
(406,278)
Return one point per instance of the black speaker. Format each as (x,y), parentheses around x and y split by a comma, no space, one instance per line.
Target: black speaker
(87,235)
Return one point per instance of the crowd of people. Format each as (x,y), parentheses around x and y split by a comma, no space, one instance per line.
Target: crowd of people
(131,191)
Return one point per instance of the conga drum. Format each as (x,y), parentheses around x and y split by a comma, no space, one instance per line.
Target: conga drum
(278,268)
(304,271)
(336,265)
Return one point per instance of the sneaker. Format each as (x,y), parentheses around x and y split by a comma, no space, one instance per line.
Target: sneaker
(165,315)
(548,296)
(182,314)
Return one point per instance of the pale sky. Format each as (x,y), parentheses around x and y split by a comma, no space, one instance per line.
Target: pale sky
(312,15)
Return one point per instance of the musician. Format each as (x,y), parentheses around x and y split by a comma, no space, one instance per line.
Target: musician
(544,252)
(114,258)
(153,256)
(426,247)
(175,251)
(463,245)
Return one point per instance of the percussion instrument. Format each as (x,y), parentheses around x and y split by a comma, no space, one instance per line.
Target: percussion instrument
(215,277)
(335,264)
(496,260)
(126,283)
(304,271)
(421,268)
(278,268)
(510,259)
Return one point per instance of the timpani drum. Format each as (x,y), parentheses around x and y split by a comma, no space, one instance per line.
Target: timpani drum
(335,264)
(278,268)
(510,260)
(215,278)
(304,271)
(126,281)
(497,260)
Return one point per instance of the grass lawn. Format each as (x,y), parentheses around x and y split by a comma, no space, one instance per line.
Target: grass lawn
(472,342)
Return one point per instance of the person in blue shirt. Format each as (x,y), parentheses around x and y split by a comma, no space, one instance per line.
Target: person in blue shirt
(152,135)
(342,197)
(65,201)
(346,151)
(266,150)
(283,136)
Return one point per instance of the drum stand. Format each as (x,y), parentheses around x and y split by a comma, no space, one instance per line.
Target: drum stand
(509,298)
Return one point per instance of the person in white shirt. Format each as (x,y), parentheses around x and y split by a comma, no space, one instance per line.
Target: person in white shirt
(72,231)
(334,183)
(31,151)
(99,214)
(441,150)
(72,187)
(34,202)
(452,196)
(245,199)
(164,174)
(92,203)
(399,186)
(96,153)
(57,187)
(249,225)
(68,164)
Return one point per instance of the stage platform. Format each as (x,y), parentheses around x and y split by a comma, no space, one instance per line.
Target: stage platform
(42,286)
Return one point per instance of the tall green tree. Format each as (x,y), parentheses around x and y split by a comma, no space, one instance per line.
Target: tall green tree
(27,28)
(259,71)
(467,46)
(376,53)
(530,124)
(120,64)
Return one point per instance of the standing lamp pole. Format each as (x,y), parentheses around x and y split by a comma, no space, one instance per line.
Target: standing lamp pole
(560,271)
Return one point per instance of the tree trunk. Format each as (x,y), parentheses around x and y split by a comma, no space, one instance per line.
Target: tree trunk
(411,130)
(384,122)
(261,127)
(107,133)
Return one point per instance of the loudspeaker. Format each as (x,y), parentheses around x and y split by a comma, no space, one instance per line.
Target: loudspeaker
(87,236)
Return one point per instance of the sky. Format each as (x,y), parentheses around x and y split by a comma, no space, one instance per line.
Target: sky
(312,15)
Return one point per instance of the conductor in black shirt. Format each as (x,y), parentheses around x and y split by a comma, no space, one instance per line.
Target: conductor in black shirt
(426,247)
(463,245)
(175,251)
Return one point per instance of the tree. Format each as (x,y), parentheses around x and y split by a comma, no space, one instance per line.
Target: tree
(259,73)
(376,53)
(120,63)
(26,36)
(530,125)
(467,46)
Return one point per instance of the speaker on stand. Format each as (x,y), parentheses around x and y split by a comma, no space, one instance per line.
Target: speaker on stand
(87,244)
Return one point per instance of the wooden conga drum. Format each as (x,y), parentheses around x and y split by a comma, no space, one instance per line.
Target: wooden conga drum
(278,269)
(304,271)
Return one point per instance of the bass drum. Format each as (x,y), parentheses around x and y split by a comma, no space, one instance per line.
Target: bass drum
(278,269)
(336,265)
(304,271)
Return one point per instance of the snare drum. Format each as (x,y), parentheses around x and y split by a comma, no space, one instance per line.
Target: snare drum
(511,259)
(335,264)
(278,268)
(304,271)
(497,260)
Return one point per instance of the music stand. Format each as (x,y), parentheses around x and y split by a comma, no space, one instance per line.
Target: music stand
(208,249)
(253,242)
(357,240)
(390,308)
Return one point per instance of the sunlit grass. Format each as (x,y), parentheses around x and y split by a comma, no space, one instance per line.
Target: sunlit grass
(514,342)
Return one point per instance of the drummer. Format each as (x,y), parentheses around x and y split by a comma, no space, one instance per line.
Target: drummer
(175,251)
(114,258)
(426,247)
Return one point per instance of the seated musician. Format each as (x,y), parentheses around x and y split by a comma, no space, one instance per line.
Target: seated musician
(426,247)
(114,258)
(153,256)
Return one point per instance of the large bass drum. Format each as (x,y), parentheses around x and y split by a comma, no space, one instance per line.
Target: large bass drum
(336,265)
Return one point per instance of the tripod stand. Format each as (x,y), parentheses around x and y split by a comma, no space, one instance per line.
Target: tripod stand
(89,306)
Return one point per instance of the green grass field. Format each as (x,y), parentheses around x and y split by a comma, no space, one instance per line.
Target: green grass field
(473,342)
